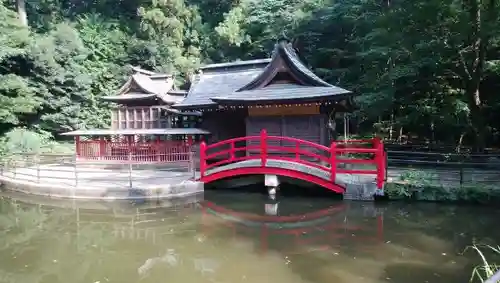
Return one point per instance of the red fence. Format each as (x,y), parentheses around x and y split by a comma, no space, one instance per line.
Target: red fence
(139,152)
(264,148)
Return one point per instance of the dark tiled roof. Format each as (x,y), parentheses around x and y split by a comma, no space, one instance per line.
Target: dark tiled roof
(222,79)
(246,80)
(284,92)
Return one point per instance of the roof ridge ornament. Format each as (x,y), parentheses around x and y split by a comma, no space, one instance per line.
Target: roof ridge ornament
(282,42)
(284,38)
(140,70)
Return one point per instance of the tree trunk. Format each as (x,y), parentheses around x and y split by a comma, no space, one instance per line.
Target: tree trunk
(21,12)
(482,16)
(477,120)
(460,142)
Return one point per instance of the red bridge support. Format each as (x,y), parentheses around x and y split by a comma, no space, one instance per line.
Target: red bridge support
(265,148)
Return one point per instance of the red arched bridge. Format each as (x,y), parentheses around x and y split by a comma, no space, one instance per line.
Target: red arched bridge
(294,158)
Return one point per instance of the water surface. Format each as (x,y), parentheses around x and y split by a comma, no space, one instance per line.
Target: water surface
(241,237)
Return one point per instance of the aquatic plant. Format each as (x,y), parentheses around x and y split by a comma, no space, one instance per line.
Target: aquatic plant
(486,269)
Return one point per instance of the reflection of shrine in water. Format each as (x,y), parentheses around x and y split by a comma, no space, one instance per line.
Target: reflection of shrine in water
(121,220)
(333,226)
(286,224)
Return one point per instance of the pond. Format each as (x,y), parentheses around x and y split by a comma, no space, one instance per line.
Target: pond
(241,237)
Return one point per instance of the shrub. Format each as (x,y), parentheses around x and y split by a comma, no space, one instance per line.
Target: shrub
(21,140)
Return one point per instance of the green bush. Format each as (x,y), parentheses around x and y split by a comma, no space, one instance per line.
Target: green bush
(418,185)
(21,140)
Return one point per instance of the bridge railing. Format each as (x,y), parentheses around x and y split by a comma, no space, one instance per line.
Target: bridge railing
(353,155)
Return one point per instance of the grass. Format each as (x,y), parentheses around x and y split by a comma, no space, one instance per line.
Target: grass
(486,269)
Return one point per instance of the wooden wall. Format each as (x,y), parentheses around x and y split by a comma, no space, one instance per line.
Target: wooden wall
(138,117)
(282,110)
(223,125)
(306,127)
(306,122)
(302,121)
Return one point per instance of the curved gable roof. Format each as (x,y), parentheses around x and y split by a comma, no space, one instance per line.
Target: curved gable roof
(146,85)
(285,58)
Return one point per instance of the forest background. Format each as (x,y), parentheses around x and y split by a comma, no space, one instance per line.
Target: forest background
(424,69)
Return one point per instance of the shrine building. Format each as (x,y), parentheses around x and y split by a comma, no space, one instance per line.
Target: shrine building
(279,94)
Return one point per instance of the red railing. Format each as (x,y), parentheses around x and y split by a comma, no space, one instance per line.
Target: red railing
(264,147)
(139,152)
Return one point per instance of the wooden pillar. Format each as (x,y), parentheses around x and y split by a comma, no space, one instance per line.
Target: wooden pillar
(119,118)
(130,140)
(346,127)
(150,109)
(77,146)
(203,161)
(157,149)
(113,119)
(102,147)
(143,118)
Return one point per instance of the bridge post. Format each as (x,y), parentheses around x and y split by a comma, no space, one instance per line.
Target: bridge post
(232,150)
(263,147)
(203,159)
(333,161)
(379,161)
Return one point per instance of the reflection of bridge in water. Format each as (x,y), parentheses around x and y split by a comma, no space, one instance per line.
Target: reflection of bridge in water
(318,230)
(196,238)
(321,229)
(331,226)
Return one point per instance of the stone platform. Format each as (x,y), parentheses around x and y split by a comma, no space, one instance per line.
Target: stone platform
(64,181)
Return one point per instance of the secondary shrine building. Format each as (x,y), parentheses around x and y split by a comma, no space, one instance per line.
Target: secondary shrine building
(279,94)
(144,126)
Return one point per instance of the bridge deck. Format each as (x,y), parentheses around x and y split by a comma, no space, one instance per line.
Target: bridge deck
(341,179)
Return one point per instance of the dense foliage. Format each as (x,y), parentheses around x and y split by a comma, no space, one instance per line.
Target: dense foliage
(423,68)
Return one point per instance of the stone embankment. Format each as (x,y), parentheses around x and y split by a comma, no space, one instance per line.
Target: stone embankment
(91,182)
